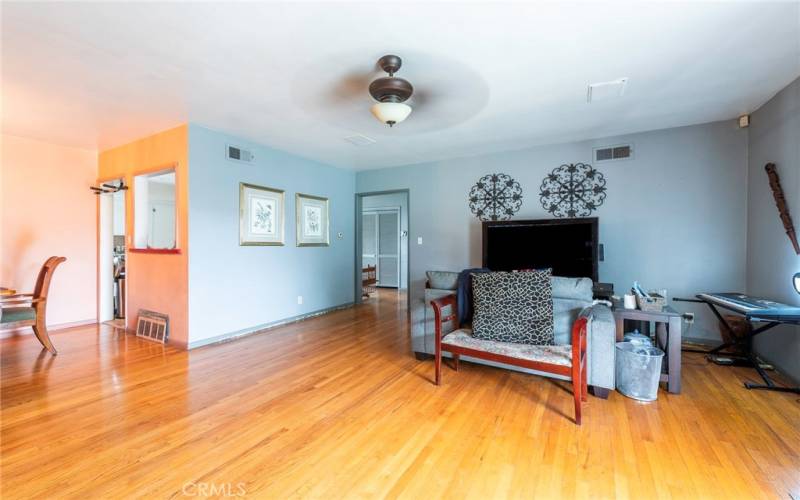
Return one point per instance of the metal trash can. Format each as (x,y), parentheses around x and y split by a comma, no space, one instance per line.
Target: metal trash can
(638,370)
(637,338)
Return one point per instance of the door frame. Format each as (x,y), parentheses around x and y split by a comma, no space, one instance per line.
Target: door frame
(358,237)
(104,219)
(377,211)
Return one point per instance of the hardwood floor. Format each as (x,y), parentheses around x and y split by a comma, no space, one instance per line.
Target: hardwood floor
(337,406)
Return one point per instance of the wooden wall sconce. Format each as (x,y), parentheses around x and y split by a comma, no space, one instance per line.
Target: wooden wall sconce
(780,202)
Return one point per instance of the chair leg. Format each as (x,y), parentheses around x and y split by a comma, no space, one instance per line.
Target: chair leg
(584,385)
(576,390)
(40,330)
(456,359)
(438,364)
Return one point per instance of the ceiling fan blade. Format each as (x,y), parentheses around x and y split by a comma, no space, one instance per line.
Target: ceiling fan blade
(422,97)
(352,85)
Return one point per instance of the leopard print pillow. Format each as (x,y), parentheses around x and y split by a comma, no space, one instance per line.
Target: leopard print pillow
(513,307)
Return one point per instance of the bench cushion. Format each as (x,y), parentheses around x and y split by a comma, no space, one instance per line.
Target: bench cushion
(552,354)
(14,314)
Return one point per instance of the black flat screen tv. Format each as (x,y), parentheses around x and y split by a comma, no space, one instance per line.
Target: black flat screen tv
(567,246)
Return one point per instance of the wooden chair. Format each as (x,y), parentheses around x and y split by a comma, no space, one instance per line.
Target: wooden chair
(30,309)
(567,360)
(369,278)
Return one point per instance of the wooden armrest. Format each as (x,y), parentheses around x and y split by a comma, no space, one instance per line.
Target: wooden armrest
(12,301)
(442,302)
(439,318)
(579,339)
(447,300)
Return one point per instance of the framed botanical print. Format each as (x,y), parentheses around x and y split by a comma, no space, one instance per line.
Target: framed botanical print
(312,221)
(260,215)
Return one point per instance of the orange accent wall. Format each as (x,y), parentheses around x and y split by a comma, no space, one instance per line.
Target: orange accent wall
(156,281)
(46,209)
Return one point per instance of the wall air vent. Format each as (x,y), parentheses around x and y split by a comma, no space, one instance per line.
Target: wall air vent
(613,153)
(153,326)
(236,153)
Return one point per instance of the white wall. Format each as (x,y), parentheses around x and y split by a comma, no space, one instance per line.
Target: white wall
(774,136)
(674,217)
(46,209)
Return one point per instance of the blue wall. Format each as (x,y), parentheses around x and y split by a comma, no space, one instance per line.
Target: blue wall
(774,136)
(234,288)
(674,217)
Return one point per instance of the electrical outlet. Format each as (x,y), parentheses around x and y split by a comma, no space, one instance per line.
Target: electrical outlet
(689,317)
(300,300)
(340,235)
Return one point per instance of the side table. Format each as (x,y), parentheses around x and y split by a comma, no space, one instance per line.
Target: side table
(668,338)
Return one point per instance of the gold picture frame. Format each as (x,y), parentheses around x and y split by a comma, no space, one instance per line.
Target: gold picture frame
(312,220)
(261,216)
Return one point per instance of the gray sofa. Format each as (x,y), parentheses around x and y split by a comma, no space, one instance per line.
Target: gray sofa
(570,296)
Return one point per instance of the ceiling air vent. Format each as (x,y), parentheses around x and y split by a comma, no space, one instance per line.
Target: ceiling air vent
(238,154)
(359,140)
(601,91)
(612,153)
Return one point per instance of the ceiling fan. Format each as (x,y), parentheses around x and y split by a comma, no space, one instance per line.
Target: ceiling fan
(451,93)
(391,93)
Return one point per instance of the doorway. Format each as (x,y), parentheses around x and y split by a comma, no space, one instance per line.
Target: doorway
(382,234)
(112,282)
(381,239)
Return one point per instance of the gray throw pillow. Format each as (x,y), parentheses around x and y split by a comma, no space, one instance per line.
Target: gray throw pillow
(513,307)
(442,280)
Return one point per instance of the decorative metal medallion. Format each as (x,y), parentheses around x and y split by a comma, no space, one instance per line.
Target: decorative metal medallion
(573,190)
(495,197)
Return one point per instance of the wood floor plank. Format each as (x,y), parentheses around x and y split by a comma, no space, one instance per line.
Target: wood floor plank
(336,406)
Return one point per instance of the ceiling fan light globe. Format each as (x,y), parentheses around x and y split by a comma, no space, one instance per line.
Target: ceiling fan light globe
(390,112)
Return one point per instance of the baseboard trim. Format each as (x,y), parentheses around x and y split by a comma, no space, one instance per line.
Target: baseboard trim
(62,326)
(26,330)
(227,337)
(712,343)
(704,341)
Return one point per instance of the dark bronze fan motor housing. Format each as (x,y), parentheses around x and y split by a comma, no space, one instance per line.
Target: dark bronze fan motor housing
(391,88)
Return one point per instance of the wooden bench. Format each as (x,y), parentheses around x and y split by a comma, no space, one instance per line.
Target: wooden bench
(566,360)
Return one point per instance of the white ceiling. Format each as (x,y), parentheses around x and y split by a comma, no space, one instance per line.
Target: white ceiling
(488,77)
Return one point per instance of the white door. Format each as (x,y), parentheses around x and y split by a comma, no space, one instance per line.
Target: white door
(369,237)
(381,244)
(389,248)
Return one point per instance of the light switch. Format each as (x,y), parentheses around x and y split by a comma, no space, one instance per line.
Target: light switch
(419,240)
